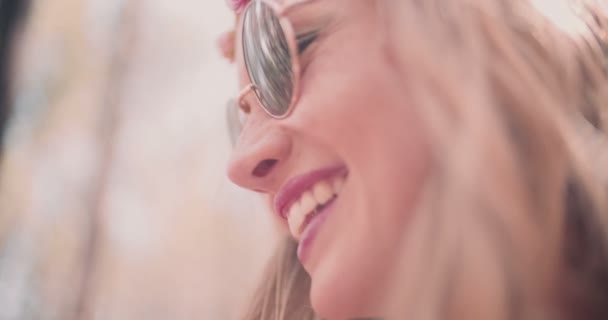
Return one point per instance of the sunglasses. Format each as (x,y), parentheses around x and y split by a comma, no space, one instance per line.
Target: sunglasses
(271,52)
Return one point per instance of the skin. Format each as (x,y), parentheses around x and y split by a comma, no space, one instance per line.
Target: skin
(353,111)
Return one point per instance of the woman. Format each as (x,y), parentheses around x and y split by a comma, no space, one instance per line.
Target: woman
(430,159)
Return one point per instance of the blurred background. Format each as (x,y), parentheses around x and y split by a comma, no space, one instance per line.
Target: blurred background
(114,203)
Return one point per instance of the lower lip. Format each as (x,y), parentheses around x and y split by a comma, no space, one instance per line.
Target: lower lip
(311,231)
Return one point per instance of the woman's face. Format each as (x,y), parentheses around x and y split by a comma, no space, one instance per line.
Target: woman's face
(354,142)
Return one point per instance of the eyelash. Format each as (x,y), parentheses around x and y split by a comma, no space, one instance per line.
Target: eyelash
(305,40)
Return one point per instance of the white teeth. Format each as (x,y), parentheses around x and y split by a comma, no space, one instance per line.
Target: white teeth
(337,184)
(296,218)
(308,202)
(322,192)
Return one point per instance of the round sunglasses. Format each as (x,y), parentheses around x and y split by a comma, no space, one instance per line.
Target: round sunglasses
(271,55)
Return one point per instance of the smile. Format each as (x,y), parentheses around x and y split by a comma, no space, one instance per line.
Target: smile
(304,197)
(311,202)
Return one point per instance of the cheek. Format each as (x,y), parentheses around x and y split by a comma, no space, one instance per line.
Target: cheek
(375,130)
(367,118)
(359,108)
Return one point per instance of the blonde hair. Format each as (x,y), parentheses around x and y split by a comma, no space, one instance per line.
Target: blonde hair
(513,222)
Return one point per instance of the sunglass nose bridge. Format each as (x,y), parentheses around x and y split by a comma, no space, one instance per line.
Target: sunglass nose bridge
(241,99)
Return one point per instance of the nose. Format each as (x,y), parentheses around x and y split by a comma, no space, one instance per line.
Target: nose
(262,149)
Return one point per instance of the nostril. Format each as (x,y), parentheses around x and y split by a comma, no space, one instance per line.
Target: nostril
(264,168)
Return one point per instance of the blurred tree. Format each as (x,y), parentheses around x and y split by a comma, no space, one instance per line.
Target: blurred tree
(113,199)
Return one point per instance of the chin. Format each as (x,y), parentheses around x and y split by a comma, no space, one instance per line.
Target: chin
(328,306)
(340,298)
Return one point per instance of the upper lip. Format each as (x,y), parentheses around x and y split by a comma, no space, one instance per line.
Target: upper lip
(294,187)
